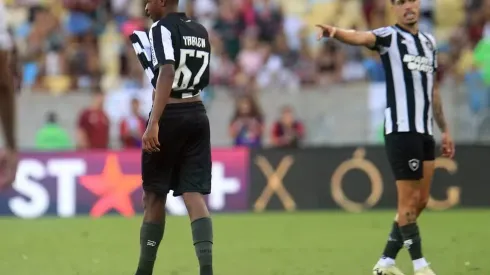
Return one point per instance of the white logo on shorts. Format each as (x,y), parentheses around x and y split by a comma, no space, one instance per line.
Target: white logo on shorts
(408,244)
(414,164)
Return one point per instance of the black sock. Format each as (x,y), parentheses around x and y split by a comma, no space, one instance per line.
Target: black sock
(202,235)
(395,242)
(412,241)
(151,235)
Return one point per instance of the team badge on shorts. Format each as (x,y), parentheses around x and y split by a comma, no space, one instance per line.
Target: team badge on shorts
(414,164)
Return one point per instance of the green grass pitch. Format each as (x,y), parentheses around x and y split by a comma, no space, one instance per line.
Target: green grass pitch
(302,243)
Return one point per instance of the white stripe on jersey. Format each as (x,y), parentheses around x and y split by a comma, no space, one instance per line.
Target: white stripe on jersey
(417,84)
(399,85)
(167,44)
(5,39)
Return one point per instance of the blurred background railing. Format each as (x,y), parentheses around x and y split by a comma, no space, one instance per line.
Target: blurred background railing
(336,115)
(272,83)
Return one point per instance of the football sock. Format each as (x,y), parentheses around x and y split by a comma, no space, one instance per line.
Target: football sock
(412,241)
(394,243)
(419,264)
(202,235)
(385,262)
(151,235)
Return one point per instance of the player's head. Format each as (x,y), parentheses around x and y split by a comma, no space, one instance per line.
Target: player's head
(157,9)
(406,11)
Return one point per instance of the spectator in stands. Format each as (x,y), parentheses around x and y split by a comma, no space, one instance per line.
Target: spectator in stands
(252,55)
(132,127)
(305,67)
(329,63)
(93,125)
(269,20)
(376,95)
(287,132)
(83,62)
(222,67)
(478,92)
(229,26)
(51,136)
(42,53)
(246,126)
(275,73)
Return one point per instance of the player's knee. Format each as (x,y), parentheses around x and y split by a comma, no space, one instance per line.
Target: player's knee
(195,204)
(424,200)
(153,201)
(409,200)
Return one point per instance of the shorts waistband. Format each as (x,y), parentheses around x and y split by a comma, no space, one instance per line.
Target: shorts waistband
(179,108)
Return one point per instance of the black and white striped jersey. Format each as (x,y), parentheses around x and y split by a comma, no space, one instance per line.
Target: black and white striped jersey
(410,63)
(178,40)
(5,39)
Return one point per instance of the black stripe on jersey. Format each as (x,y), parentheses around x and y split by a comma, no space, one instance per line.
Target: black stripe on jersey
(434,52)
(421,52)
(408,79)
(144,60)
(390,88)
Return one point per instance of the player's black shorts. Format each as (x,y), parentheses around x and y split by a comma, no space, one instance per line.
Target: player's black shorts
(184,161)
(407,152)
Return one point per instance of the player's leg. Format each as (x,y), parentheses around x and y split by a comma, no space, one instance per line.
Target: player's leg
(429,167)
(158,176)
(425,185)
(202,230)
(195,182)
(405,152)
(151,232)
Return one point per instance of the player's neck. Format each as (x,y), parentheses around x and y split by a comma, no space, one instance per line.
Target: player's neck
(413,29)
(169,10)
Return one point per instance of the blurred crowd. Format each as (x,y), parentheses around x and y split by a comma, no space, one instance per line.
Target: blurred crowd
(82,45)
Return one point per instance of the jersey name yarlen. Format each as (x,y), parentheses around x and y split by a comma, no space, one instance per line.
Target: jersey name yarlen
(192,41)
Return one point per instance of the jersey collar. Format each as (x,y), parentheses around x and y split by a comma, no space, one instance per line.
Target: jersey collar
(405,30)
(177,14)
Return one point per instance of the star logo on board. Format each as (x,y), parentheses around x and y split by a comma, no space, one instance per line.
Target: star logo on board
(113,187)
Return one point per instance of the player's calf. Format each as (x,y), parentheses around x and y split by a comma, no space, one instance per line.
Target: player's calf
(202,231)
(408,203)
(151,233)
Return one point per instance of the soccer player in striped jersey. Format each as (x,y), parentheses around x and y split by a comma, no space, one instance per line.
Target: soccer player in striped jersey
(8,157)
(409,57)
(180,53)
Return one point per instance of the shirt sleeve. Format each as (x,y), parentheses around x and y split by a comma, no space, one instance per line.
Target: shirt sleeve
(383,39)
(162,50)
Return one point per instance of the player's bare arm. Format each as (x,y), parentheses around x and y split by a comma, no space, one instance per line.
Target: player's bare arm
(8,158)
(437,109)
(7,106)
(161,98)
(352,37)
(448,148)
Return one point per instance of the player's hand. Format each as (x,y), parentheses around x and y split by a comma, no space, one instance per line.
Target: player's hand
(325,31)
(150,139)
(447,148)
(8,168)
